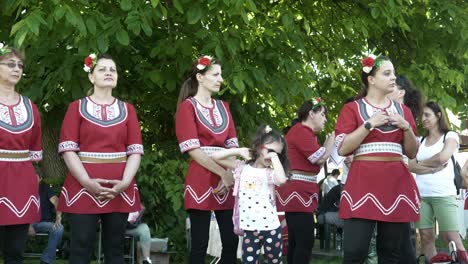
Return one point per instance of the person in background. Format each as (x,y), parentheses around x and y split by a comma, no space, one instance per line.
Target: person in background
(379,191)
(331,181)
(298,197)
(53,227)
(20,146)
(141,231)
(203,126)
(100,142)
(435,178)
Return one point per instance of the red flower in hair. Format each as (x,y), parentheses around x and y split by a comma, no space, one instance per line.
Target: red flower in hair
(88,61)
(205,61)
(368,62)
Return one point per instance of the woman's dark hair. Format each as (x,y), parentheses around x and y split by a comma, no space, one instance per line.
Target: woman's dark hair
(364,76)
(438,111)
(190,85)
(304,110)
(263,137)
(412,98)
(13,52)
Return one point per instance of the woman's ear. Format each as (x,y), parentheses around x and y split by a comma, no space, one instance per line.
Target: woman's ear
(91,78)
(370,80)
(199,77)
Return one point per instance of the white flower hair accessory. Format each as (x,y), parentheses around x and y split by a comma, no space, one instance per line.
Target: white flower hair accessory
(90,62)
(369,62)
(267,129)
(204,61)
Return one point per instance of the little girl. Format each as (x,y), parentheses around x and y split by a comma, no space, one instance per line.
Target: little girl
(258,176)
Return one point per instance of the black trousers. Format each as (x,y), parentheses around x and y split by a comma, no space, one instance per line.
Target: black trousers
(13,238)
(357,236)
(83,237)
(407,246)
(200,230)
(301,236)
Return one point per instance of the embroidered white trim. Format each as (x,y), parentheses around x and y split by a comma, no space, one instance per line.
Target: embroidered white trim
(102,155)
(135,149)
(200,199)
(22,212)
(69,202)
(386,211)
(232,143)
(302,177)
(210,150)
(298,197)
(35,155)
(316,155)
(7,151)
(189,144)
(379,147)
(68,146)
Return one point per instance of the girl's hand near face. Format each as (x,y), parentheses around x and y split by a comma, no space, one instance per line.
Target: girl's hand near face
(245,153)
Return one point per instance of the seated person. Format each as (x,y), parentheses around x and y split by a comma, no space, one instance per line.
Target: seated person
(331,181)
(54,228)
(140,230)
(327,211)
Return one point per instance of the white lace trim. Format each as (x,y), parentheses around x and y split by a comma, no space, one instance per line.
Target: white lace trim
(35,155)
(232,143)
(317,155)
(68,146)
(302,177)
(189,145)
(135,149)
(379,147)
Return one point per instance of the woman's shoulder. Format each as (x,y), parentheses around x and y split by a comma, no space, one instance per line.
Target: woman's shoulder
(452,134)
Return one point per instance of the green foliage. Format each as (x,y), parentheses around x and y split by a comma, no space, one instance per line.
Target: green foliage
(275,54)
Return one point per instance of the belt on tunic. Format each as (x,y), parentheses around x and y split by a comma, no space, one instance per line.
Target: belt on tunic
(97,157)
(375,158)
(303,176)
(14,155)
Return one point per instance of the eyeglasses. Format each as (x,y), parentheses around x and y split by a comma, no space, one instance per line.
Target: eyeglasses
(12,65)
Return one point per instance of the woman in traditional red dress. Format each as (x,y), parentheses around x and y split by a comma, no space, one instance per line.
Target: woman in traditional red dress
(204,125)
(20,145)
(101,144)
(299,196)
(379,189)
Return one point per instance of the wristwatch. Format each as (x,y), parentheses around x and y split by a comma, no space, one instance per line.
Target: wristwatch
(368,126)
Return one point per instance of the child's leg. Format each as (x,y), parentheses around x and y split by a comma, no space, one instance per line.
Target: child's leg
(250,247)
(272,245)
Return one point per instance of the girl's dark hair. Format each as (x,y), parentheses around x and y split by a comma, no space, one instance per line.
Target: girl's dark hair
(443,125)
(262,137)
(364,76)
(412,98)
(190,85)
(13,52)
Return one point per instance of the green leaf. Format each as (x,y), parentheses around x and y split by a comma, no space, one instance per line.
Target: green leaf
(126,5)
(194,14)
(375,12)
(91,24)
(239,84)
(154,3)
(147,29)
(219,52)
(178,6)
(102,43)
(122,37)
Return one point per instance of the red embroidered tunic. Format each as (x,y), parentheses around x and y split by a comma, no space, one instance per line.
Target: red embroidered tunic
(300,194)
(100,132)
(20,144)
(210,129)
(377,190)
